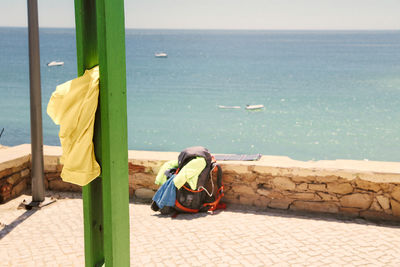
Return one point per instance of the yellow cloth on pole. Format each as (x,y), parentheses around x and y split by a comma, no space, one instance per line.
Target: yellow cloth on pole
(73,106)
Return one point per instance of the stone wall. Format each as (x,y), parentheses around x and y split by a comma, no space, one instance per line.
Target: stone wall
(356,188)
(14,178)
(353,188)
(15,171)
(315,192)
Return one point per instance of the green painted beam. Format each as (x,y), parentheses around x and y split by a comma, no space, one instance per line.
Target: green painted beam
(100,36)
(87,57)
(113,113)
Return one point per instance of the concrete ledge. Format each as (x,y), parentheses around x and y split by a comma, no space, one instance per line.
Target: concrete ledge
(367,189)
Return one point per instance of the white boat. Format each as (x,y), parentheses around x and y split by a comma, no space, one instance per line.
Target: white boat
(229,107)
(161,55)
(254,107)
(55,63)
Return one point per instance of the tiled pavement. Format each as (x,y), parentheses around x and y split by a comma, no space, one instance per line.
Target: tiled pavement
(53,236)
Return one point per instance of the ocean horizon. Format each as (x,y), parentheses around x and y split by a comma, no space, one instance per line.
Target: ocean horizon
(327,94)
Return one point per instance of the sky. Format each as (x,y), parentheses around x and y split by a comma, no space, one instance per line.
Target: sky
(223,14)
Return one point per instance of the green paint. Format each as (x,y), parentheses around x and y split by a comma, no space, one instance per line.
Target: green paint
(100,35)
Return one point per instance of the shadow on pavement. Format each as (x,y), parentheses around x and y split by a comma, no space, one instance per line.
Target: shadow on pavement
(9,227)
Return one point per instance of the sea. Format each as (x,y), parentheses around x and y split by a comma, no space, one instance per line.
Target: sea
(327,94)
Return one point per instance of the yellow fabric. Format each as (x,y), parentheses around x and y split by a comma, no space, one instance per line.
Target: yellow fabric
(190,173)
(161,177)
(73,106)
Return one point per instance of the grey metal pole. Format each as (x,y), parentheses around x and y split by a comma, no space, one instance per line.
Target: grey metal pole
(36,104)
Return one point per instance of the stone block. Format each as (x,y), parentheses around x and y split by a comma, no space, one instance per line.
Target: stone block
(387,188)
(143,179)
(304,196)
(248,178)
(50,167)
(263,178)
(317,187)
(302,187)
(282,204)
(25,172)
(60,167)
(384,202)
(356,200)
(327,197)
(17,168)
(283,183)
(18,189)
(5,192)
(376,215)
(396,193)
(366,185)
(269,193)
(14,179)
(133,168)
(375,206)
(52,176)
(60,185)
(350,211)
(340,188)
(229,178)
(326,179)
(231,198)
(395,207)
(248,201)
(6,172)
(262,201)
(144,193)
(302,179)
(326,207)
(243,190)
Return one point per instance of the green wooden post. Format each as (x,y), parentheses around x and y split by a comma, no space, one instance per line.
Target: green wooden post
(100,35)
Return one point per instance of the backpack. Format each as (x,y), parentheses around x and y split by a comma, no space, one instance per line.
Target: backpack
(202,199)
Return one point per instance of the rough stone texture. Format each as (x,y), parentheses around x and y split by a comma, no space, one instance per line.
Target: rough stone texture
(317,187)
(270,193)
(327,197)
(326,179)
(343,188)
(384,202)
(14,179)
(304,196)
(244,190)
(19,188)
(396,193)
(375,206)
(262,201)
(283,183)
(282,204)
(302,187)
(357,200)
(60,185)
(366,185)
(354,212)
(144,193)
(325,207)
(395,207)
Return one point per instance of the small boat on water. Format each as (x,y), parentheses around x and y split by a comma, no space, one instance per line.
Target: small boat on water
(161,55)
(254,107)
(55,63)
(228,107)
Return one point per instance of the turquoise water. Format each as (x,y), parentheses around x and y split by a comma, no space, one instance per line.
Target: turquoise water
(327,94)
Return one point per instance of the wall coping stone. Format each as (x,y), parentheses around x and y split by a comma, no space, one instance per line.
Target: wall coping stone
(13,156)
